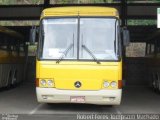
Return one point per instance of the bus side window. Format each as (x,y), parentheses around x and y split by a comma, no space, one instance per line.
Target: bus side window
(11,45)
(8,41)
(4,43)
(1,42)
(16,46)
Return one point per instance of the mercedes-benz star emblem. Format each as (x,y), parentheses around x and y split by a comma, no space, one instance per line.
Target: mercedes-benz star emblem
(77,84)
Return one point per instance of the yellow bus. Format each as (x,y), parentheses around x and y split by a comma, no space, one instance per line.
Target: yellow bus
(79,56)
(12,57)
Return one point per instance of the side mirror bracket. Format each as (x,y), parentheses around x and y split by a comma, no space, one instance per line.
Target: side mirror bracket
(33,33)
(126,36)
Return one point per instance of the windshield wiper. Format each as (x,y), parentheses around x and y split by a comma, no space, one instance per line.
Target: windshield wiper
(64,53)
(93,56)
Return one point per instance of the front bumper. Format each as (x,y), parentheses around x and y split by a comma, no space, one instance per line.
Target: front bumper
(100,97)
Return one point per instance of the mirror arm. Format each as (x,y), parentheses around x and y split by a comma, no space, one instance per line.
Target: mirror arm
(33,33)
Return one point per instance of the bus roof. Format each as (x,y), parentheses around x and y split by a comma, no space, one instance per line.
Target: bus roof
(79,10)
(10,32)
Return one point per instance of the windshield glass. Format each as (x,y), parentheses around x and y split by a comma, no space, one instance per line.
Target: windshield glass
(59,35)
(98,35)
(85,39)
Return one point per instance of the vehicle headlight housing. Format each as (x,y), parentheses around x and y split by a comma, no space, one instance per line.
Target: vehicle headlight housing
(43,82)
(50,83)
(113,84)
(46,83)
(106,84)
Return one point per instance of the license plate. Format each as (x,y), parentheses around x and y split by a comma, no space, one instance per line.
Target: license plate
(77,99)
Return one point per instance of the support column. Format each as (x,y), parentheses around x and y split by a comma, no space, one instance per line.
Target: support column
(124,12)
(46,3)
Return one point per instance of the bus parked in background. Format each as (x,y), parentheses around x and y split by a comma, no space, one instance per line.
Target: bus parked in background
(153,55)
(12,57)
(79,56)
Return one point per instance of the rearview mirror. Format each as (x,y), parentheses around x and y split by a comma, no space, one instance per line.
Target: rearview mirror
(126,37)
(32,38)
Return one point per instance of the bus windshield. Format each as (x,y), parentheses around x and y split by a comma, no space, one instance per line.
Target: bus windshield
(96,35)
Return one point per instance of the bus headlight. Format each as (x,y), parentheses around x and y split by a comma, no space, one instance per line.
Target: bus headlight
(46,83)
(106,84)
(50,83)
(43,82)
(113,84)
